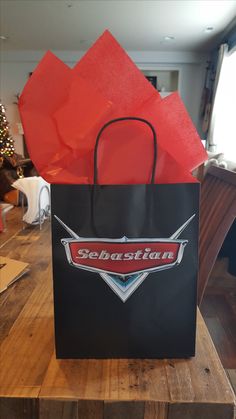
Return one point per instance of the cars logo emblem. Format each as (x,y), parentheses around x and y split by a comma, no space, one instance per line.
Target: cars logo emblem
(124,263)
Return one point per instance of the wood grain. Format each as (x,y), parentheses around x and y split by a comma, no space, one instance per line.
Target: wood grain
(232,376)
(90,409)
(58,409)
(217,213)
(207,411)
(18,408)
(13,225)
(24,248)
(36,385)
(156,410)
(121,410)
(199,379)
(28,327)
(219,310)
(225,346)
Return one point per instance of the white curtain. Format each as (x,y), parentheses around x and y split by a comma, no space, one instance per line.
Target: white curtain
(222,130)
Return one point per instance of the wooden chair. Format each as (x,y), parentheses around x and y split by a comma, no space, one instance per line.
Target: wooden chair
(217,213)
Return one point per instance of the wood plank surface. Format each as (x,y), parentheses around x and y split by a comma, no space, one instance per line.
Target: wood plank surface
(26,351)
(18,408)
(200,411)
(219,310)
(26,316)
(26,246)
(198,380)
(232,376)
(13,225)
(35,385)
(58,409)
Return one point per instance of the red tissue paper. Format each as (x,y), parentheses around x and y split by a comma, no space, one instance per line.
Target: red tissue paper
(63,109)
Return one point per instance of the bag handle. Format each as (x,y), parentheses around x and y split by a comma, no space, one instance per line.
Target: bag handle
(128,118)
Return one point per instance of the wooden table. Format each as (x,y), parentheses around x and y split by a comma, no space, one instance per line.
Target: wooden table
(34,385)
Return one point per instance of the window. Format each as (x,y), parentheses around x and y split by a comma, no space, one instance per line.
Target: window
(224,113)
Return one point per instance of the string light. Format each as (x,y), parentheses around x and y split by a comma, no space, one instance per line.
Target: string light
(6,141)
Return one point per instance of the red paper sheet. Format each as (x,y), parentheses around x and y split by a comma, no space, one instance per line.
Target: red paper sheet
(108,68)
(63,109)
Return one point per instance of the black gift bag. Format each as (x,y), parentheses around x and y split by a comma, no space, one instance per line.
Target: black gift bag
(125,263)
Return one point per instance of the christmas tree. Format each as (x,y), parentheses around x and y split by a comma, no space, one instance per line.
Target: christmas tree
(6,141)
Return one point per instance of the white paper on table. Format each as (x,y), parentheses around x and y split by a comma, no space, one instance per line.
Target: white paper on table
(31,187)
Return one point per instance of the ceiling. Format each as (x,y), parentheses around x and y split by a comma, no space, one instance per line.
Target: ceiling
(138,25)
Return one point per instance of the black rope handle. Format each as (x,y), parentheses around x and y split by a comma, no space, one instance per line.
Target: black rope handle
(127,118)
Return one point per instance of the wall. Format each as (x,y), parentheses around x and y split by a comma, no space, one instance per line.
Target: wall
(15,67)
